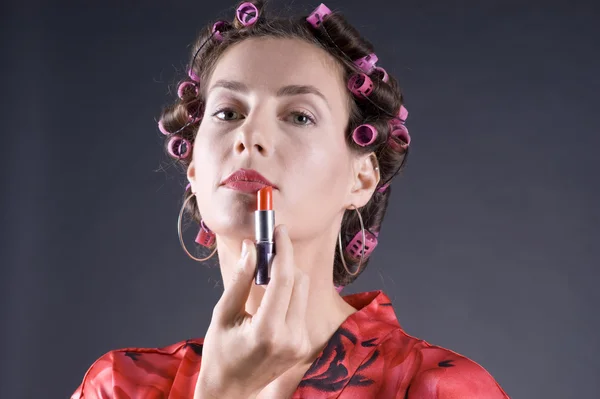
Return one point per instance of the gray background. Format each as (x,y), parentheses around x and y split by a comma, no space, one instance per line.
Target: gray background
(490,246)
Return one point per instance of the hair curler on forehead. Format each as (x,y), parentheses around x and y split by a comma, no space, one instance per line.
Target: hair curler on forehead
(247,14)
(318,15)
(193,75)
(383,74)
(179,147)
(219,28)
(364,135)
(367,63)
(185,87)
(360,85)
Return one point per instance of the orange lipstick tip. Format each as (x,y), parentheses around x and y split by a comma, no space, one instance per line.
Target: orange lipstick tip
(264,199)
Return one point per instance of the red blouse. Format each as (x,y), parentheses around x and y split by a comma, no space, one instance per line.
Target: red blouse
(369,356)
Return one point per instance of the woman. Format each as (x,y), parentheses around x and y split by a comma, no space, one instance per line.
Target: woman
(298,107)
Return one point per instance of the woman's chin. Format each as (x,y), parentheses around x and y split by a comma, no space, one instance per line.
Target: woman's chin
(235,223)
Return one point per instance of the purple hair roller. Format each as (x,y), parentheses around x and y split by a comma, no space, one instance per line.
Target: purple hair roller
(179,147)
(316,17)
(205,236)
(383,188)
(162,128)
(194,119)
(403,114)
(367,63)
(364,135)
(355,246)
(247,14)
(400,118)
(193,75)
(339,288)
(195,112)
(399,133)
(384,75)
(218,28)
(360,85)
(186,86)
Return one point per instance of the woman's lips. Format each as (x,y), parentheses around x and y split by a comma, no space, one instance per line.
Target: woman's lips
(245,186)
(246,180)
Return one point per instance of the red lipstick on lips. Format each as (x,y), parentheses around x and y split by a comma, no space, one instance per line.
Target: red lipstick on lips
(246,180)
(264,224)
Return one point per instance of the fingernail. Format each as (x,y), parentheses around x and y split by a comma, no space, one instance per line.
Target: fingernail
(244,249)
(283,229)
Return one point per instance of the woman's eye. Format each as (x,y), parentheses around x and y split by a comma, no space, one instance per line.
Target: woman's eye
(227,115)
(300,118)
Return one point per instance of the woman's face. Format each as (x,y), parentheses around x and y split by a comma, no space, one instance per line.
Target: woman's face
(280,107)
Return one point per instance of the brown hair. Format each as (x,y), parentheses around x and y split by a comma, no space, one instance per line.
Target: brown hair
(345,44)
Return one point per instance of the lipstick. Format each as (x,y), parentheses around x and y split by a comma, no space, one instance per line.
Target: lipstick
(264,223)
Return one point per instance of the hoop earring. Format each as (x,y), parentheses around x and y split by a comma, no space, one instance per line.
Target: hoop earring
(181,237)
(362,252)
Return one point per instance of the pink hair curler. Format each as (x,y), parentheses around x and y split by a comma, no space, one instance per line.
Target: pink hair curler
(162,128)
(188,186)
(360,85)
(205,236)
(339,288)
(399,138)
(218,28)
(401,117)
(184,86)
(247,14)
(194,119)
(195,112)
(367,63)
(384,75)
(364,135)
(383,188)
(399,132)
(355,246)
(193,75)
(179,147)
(316,17)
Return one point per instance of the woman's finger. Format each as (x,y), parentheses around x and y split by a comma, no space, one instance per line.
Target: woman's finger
(276,300)
(233,300)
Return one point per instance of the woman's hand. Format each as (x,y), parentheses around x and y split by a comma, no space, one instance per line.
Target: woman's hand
(242,354)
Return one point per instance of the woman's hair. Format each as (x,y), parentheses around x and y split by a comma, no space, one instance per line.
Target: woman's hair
(180,120)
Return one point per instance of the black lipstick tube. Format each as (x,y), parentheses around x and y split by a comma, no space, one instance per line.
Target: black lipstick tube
(264,224)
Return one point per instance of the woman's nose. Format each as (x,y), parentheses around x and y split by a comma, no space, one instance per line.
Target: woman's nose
(256,135)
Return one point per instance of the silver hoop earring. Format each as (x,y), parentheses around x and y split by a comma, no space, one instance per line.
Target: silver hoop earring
(362,252)
(181,236)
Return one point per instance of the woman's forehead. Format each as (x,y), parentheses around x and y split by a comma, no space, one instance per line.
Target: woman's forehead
(272,63)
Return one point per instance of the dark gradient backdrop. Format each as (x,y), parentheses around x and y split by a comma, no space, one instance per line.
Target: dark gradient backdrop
(490,247)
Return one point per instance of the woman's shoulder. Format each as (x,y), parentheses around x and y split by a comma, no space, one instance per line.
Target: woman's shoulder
(142,372)
(436,372)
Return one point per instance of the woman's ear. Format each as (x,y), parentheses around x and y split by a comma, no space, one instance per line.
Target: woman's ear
(366,176)
(191,174)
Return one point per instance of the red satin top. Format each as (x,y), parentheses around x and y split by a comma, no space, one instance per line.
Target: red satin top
(369,356)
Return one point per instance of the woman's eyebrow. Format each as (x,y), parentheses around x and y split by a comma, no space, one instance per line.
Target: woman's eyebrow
(291,90)
(294,90)
(230,85)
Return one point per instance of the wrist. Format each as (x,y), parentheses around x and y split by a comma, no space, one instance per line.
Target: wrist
(209,387)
